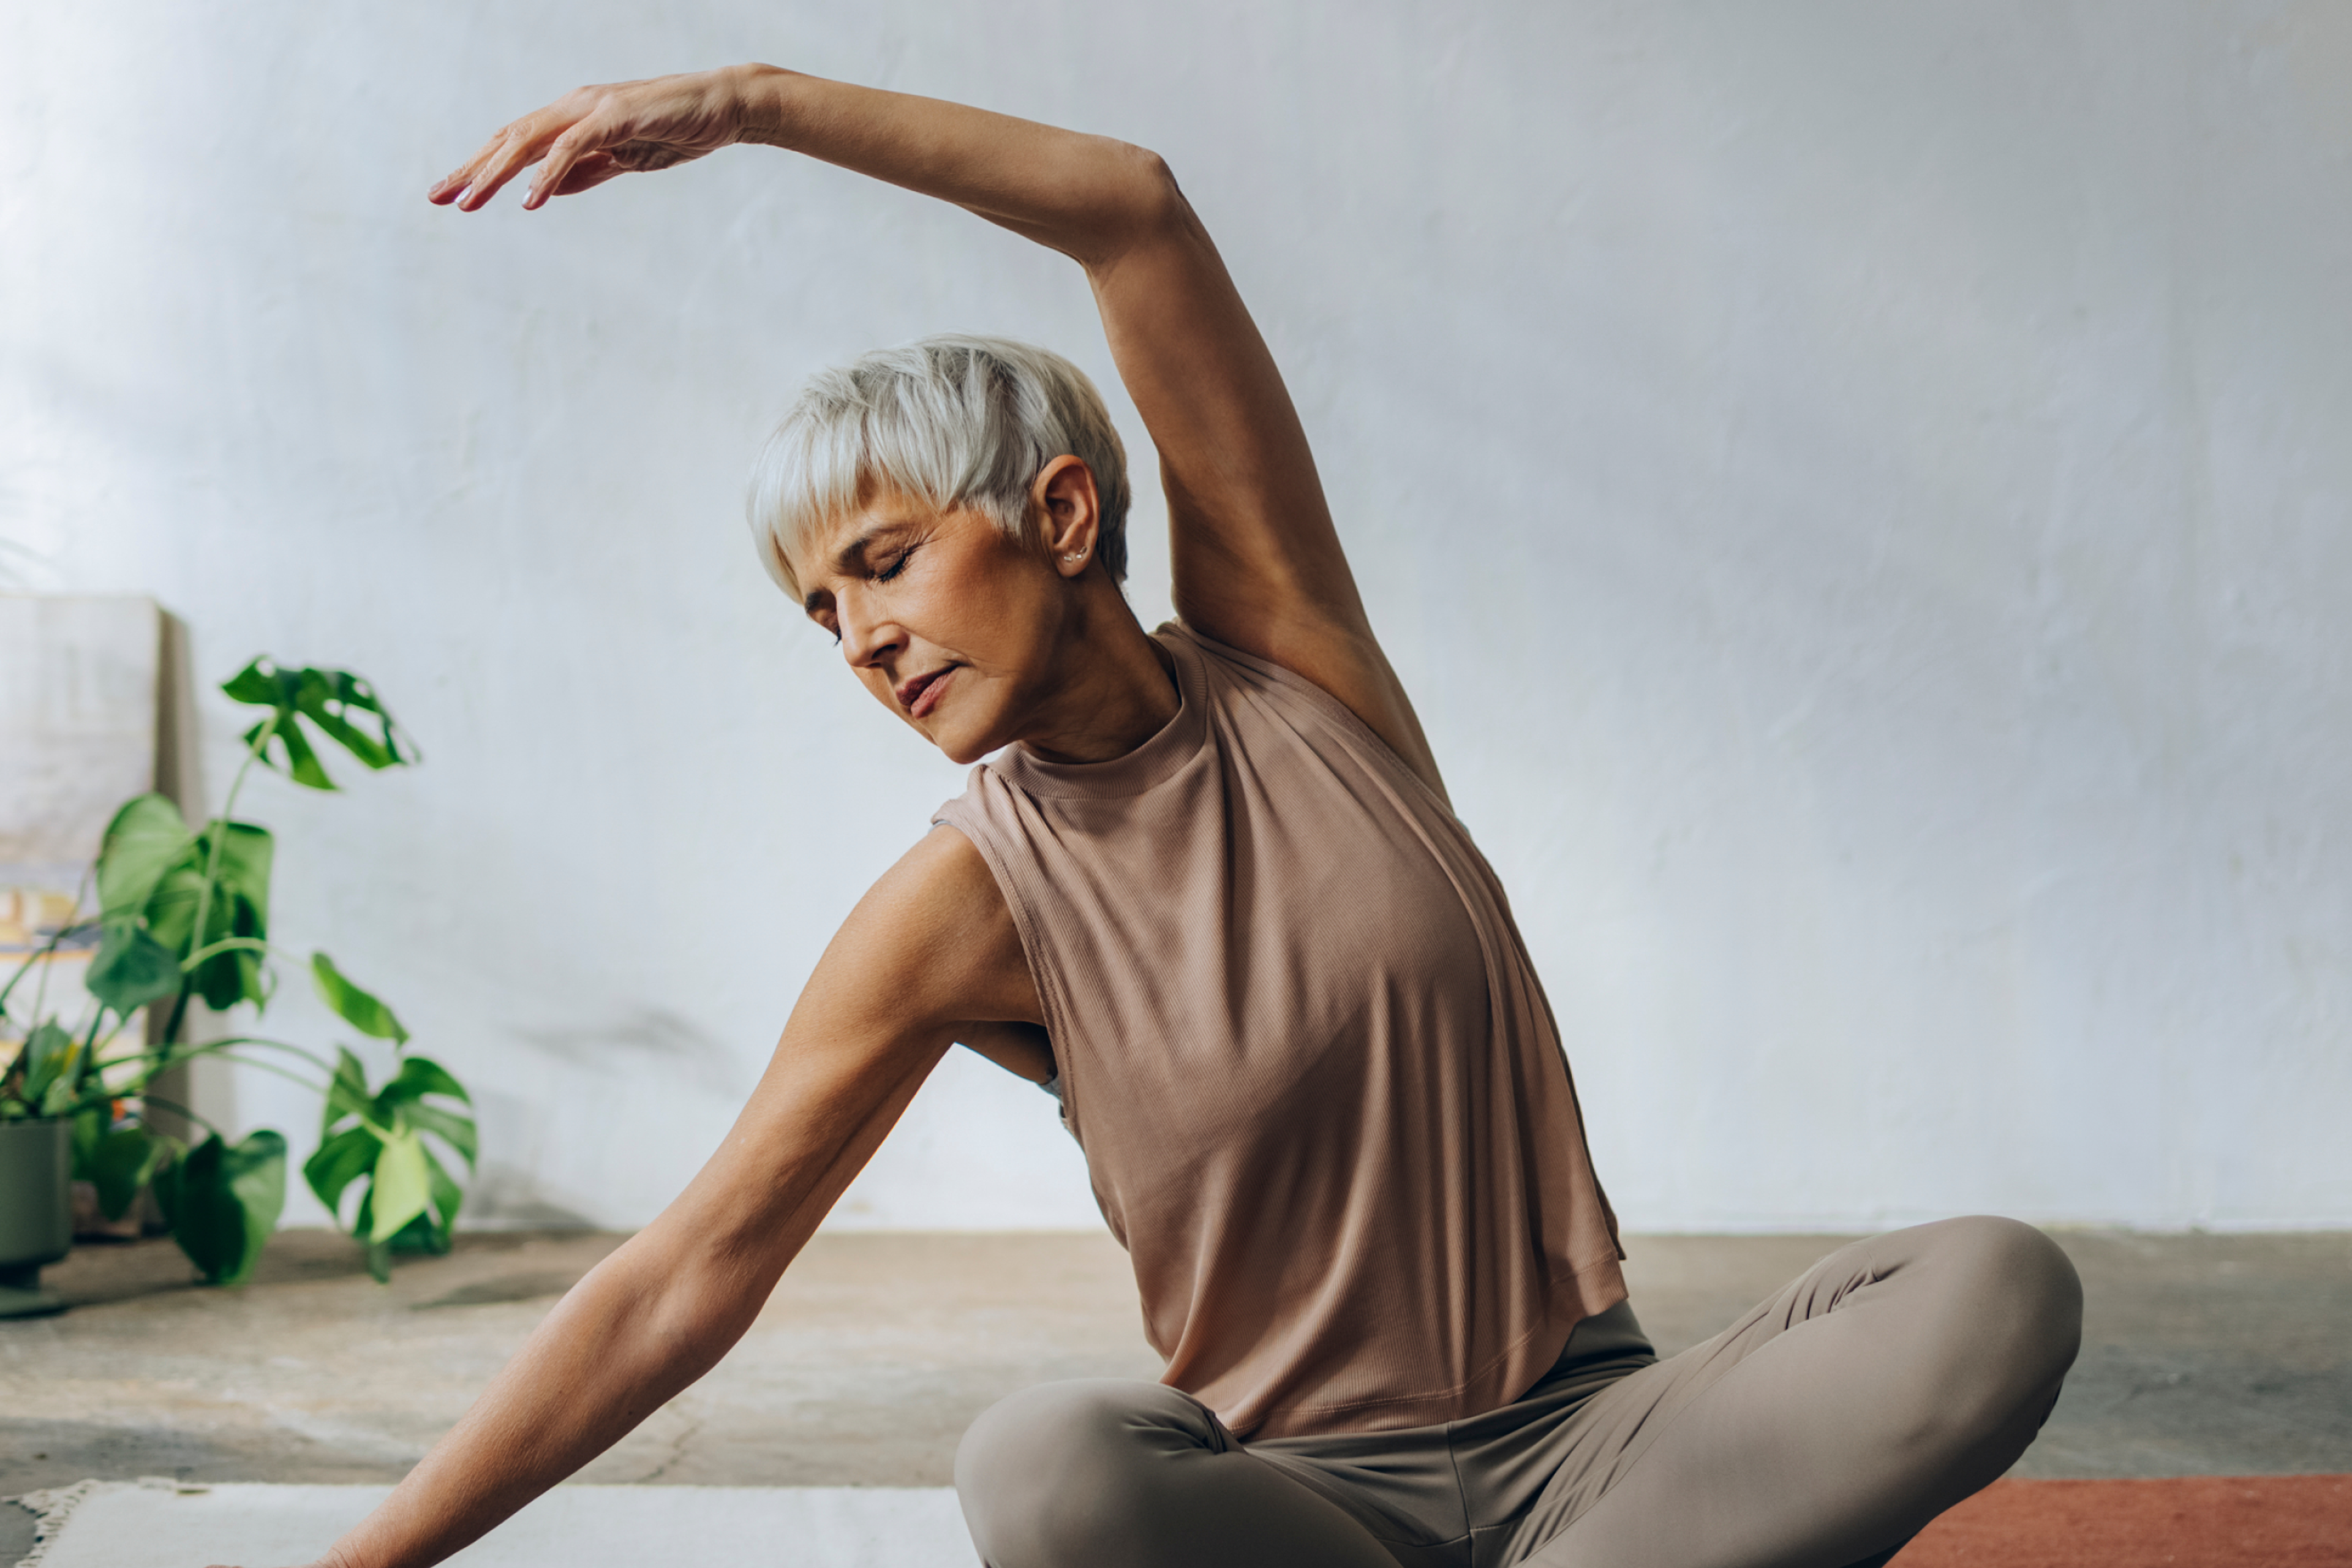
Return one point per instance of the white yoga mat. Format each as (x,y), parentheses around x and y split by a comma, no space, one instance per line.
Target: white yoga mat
(154,1524)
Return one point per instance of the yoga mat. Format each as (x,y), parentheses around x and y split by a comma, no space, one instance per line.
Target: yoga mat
(2261,1522)
(154,1524)
(2190,1522)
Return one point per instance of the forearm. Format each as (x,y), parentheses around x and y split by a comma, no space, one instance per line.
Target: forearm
(659,1312)
(1086,196)
(625,1340)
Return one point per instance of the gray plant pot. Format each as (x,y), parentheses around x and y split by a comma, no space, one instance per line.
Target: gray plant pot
(35,1212)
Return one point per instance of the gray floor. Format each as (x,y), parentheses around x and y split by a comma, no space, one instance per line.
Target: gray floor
(2203,1355)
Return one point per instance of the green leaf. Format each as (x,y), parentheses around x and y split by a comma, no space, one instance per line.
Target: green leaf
(347,1093)
(49,1052)
(258,686)
(403,1186)
(301,763)
(89,1130)
(330,698)
(452,1129)
(341,1161)
(146,838)
(223,1202)
(357,1008)
(418,1077)
(441,1223)
(343,707)
(246,855)
(171,909)
(132,969)
(240,907)
(125,1160)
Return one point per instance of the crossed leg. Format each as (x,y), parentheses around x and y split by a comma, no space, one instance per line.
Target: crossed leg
(1886,1382)
(1822,1430)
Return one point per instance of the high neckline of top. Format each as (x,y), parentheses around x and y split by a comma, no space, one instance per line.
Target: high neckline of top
(1169,747)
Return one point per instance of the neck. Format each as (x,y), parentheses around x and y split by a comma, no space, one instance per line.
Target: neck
(1119,694)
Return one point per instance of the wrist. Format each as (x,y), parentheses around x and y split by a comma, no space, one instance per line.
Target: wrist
(762,103)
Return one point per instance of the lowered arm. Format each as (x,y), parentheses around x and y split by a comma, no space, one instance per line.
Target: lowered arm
(930,944)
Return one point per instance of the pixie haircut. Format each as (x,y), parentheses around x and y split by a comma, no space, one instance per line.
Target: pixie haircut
(958,421)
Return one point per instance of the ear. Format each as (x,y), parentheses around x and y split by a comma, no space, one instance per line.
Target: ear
(1069,514)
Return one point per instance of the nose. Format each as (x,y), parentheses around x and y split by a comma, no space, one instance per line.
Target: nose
(866,638)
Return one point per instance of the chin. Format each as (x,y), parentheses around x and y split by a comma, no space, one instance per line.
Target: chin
(957,743)
(962,753)
(968,735)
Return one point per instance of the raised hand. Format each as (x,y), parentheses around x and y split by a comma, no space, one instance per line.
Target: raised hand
(592,134)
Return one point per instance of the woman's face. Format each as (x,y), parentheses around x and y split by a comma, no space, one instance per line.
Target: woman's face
(950,625)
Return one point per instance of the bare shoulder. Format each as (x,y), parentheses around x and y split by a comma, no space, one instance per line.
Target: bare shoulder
(933,943)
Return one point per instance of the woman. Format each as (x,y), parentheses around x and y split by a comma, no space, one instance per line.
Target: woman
(1211,893)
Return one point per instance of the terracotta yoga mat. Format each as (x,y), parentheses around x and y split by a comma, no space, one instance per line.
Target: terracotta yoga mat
(2193,1522)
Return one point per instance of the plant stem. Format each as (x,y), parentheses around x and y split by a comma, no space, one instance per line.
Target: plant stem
(90,1102)
(219,829)
(176,1109)
(171,1056)
(86,1060)
(41,991)
(25,965)
(231,944)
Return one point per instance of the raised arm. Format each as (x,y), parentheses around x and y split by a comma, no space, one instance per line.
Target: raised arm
(933,943)
(1258,564)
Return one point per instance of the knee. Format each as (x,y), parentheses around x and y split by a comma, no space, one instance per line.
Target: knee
(2009,1323)
(1055,1473)
(2026,1288)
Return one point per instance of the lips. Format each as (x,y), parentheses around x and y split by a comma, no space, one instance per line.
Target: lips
(921,694)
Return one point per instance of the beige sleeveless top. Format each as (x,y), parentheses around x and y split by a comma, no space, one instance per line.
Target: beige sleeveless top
(1320,1093)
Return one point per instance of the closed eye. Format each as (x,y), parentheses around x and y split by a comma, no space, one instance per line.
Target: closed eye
(898,564)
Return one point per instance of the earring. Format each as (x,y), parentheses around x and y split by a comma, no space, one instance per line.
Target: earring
(1073,555)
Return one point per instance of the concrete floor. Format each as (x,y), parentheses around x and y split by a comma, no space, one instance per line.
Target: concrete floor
(2202,1355)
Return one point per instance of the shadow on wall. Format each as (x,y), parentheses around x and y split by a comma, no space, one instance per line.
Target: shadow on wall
(646,1038)
(508,1198)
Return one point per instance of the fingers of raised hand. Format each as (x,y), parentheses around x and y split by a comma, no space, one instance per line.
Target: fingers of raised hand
(581,150)
(516,148)
(471,183)
(511,150)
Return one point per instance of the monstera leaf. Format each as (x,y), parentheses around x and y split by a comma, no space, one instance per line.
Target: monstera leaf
(411,1201)
(344,709)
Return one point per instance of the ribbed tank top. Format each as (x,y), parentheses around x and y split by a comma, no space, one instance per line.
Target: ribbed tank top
(1321,1095)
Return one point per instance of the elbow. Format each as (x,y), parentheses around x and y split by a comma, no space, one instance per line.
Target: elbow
(1148,202)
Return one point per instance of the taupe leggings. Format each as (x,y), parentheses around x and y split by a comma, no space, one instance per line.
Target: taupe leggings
(1822,1430)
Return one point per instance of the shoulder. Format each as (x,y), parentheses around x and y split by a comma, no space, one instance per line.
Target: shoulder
(932,941)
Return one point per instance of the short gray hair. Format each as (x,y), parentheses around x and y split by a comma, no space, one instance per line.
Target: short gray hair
(955,420)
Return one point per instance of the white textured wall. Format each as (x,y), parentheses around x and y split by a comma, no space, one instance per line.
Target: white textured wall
(1860,494)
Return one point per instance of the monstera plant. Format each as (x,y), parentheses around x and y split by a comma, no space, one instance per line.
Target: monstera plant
(184,917)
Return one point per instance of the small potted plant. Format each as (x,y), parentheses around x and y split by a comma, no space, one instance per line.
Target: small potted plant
(184,917)
(35,1201)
